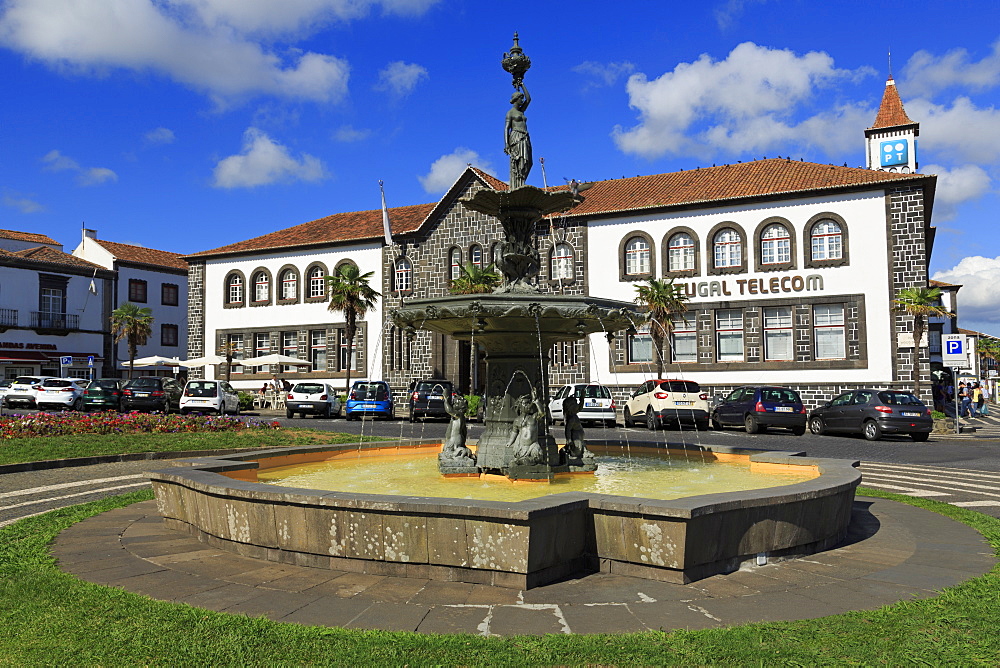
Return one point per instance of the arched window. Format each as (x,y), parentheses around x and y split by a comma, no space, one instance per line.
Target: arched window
(728,249)
(404,275)
(561,267)
(476,255)
(775,245)
(455,259)
(234,289)
(261,287)
(681,253)
(827,241)
(289,284)
(636,256)
(317,282)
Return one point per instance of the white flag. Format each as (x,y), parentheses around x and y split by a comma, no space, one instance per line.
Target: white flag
(93,285)
(385,217)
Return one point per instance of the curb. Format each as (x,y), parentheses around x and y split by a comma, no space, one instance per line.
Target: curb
(48,464)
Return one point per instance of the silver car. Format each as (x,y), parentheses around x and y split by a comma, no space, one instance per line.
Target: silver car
(595,402)
(61,393)
(312,398)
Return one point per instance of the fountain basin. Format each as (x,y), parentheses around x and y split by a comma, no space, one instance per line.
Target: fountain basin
(511,544)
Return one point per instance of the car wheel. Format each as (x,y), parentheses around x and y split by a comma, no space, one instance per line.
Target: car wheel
(78,404)
(798,431)
(716,423)
(650,419)
(750,424)
(872,431)
(611,424)
(816,426)
(627,418)
(703,425)
(326,411)
(289,414)
(920,436)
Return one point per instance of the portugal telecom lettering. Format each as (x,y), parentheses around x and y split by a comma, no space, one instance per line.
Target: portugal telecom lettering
(751,286)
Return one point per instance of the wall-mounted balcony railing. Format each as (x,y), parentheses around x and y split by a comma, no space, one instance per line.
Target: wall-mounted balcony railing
(54,320)
(8,317)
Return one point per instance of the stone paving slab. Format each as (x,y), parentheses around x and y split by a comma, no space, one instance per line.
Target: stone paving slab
(895,552)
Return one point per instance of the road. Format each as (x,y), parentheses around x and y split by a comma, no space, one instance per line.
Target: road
(965,472)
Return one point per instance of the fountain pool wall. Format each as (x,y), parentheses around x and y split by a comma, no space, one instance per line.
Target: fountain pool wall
(520,545)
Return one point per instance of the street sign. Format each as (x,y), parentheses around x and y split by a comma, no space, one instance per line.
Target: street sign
(65,361)
(954,350)
(90,361)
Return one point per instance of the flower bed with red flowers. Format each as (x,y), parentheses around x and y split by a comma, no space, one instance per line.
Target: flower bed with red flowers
(67,424)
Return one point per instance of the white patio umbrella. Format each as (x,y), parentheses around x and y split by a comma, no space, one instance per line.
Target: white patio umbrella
(275,358)
(153,360)
(207,360)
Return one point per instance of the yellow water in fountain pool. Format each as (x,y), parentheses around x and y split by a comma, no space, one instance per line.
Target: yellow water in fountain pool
(646,476)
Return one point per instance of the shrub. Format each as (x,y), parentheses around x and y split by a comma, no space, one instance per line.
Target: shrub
(64,424)
(474,400)
(246,400)
(938,415)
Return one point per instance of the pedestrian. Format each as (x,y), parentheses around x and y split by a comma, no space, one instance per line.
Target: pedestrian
(965,401)
(285,385)
(986,399)
(275,383)
(977,398)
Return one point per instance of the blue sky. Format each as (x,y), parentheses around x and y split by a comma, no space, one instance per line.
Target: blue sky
(188,124)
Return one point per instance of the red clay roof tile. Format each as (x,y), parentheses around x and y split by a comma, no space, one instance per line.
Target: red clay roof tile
(142,255)
(28,236)
(891,112)
(51,256)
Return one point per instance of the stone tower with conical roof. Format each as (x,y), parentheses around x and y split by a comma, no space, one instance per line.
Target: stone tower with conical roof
(891,142)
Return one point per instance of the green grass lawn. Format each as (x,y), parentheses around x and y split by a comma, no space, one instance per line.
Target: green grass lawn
(18,450)
(49,617)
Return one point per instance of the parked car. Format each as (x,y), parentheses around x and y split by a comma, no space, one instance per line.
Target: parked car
(151,393)
(370,398)
(104,394)
(23,391)
(312,398)
(873,413)
(756,408)
(595,402)
(658,402)
(427,398)
(209,396)
(5,388)
(60,393)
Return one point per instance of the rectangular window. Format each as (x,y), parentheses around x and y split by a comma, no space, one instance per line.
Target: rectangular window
(729,330)
(778,334)
(137,290)
(317,349)
(236,345)
(347,357)
(640,346)
(168,294)
(261,346)
(685,341)
(828,324)
(290,348)
(53,301)
(564,353)
(168,335)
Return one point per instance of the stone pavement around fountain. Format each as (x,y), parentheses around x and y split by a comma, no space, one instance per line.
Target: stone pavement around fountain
(894,552)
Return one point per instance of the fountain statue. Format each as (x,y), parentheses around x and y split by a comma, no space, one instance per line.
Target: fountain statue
(517,324)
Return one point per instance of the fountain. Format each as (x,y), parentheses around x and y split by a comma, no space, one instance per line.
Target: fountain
(532,540)
(517,325)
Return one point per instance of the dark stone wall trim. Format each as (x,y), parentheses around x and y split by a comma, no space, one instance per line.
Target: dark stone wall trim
(712,270)
(665,254)
(845,245)
(625,277)
(758,243)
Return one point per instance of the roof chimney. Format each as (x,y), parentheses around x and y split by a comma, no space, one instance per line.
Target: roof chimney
(89,234)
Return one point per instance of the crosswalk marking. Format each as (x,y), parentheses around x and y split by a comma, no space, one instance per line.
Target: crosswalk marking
(976,504)
(913,492)
(969,473)
(70,496)
(933,482)
(67,485)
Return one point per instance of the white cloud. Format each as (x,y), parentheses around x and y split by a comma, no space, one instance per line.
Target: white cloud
(171,39)
(731,10)
(349,134)
(160,136)
(927,74)
(446,169)
(978,299)
(962,130)
(743,103)
(955,187)
(399,78)
(85,176)
(264,161)
(23,204)
(603,74)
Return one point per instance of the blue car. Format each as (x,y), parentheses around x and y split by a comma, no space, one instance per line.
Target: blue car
(370,398)
(756,408)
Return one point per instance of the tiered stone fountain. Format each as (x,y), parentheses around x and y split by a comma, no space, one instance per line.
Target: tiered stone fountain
(516,325)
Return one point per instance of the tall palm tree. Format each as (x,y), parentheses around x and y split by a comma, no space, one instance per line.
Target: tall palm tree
(663,300)
(475,280)
(919,303)
(352,295)
(133,323)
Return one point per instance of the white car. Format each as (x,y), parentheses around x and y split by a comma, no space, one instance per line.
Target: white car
(316,398)
(23,390)
(60,393)
(667,401)
(209,396)
(595,402)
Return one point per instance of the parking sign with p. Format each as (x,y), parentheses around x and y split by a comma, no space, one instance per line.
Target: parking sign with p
(954,349)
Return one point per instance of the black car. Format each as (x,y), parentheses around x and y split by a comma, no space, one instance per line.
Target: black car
(152,393)
(873,413)
(104,394)
(427,398)
(755,408)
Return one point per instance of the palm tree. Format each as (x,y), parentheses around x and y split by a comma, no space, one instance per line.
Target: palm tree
(133,323)
(229,350)
(919,303)
(475,280)
(352,295)
(663,300)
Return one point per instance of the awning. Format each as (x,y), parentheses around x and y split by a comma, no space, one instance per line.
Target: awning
(22,356)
